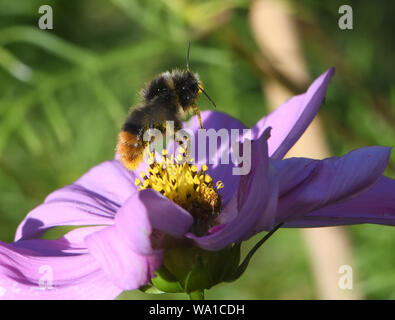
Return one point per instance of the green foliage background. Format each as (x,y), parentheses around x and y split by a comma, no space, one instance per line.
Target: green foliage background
(64,94)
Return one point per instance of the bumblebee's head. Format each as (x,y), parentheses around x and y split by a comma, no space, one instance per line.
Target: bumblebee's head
(176,88)
(186,87)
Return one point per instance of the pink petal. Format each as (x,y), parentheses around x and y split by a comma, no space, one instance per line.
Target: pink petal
(111,180)
(92,200)
(29,274)
(292,118)
(254,197)
(213,120)
(147,210)
(125,251)
(125,268)
(328,181)
(376,205)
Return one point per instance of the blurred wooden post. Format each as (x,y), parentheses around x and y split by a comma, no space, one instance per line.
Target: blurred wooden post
(276,34)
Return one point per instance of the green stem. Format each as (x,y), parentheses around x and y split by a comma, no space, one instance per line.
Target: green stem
(243,266)
(197,295)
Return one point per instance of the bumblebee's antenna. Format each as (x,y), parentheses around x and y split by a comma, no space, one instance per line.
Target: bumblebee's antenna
(208,97)
(195,107)
(189,48)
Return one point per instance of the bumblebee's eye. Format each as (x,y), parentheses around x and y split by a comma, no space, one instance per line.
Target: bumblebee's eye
(183,88)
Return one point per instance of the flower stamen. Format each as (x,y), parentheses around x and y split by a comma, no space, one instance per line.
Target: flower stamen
(182,182)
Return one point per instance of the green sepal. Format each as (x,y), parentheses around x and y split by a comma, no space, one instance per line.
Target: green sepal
(198,278)
(192,269)
(179,262)
(166,282)
(233,260)
(149,288)
(221,265)
(196,295)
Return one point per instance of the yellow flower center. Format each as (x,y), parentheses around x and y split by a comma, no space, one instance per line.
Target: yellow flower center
(181,182)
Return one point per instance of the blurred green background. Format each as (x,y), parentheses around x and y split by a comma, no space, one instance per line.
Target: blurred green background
(64,94)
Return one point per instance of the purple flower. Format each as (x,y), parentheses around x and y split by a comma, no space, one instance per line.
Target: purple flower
(123,231)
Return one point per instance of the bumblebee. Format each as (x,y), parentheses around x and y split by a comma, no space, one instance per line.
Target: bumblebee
(168,97)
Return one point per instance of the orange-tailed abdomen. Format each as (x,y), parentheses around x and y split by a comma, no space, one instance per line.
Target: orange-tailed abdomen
(130,149)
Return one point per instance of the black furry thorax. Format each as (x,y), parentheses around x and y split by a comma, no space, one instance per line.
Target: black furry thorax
(178,87)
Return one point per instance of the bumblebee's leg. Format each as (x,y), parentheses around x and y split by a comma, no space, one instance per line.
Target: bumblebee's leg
(177,126)
(197,112)
(151,142)
(140,136)
(184,141)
